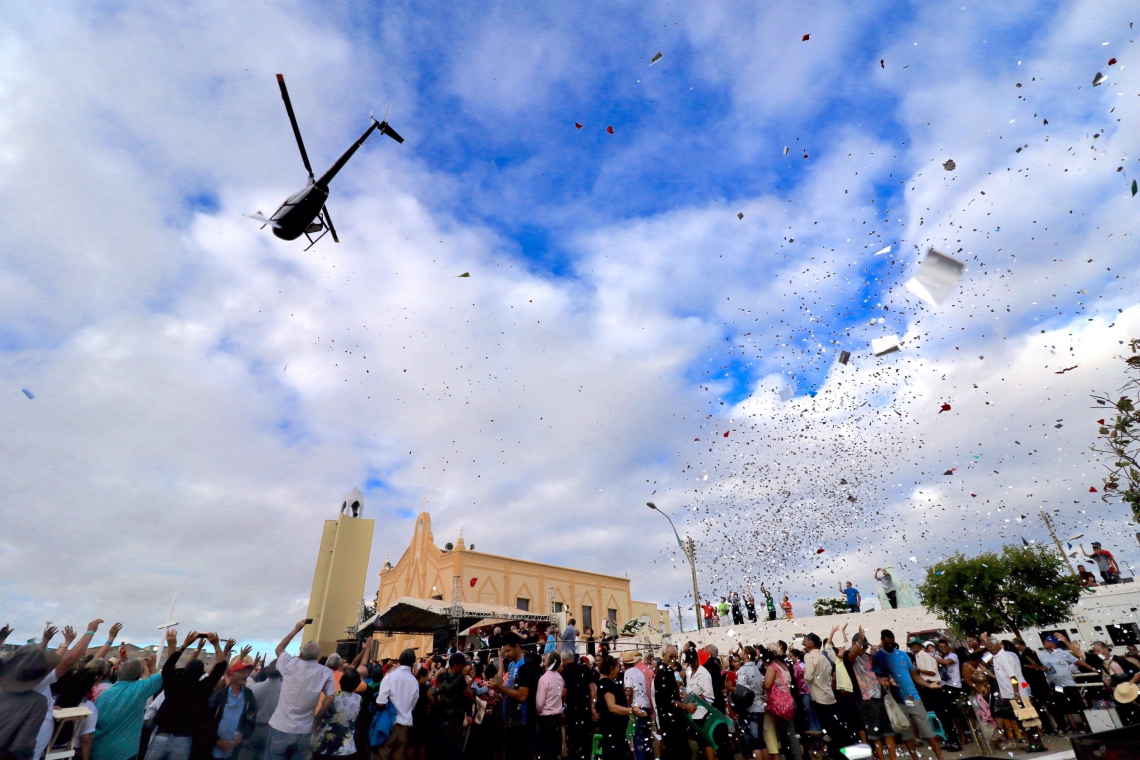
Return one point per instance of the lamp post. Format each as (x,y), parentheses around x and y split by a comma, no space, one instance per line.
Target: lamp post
(687,548)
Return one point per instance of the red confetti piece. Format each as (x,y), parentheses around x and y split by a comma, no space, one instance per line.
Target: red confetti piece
(473,582)
(1092,490)
(1100,422)
(806,37)
(974,495)
(696,439)
(726,434)
(1111,61)
(819,551)
(945,408)
(610,130)
(805,155)
(576,124)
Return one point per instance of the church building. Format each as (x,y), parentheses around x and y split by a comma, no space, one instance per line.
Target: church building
(426,571)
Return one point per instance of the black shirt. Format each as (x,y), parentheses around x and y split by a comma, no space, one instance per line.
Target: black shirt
(577,678)
(186,708)
(529,671)
(611,724)
(665,693)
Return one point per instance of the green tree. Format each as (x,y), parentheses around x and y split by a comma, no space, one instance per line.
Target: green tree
(1118,439)
(1022,586)
(829,605)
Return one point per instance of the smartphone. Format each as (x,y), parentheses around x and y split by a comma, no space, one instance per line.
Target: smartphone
(308,621)
(987,657)
(203,635)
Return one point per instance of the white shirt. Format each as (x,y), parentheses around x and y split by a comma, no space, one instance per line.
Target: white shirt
(44,689)
(89,723)
(700,683)
(952,673)
(1007,665)
(924,660)
(404,690)
(302,683)
(634,680)
(1058,667)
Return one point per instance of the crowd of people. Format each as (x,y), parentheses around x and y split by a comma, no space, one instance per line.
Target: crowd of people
(534,695)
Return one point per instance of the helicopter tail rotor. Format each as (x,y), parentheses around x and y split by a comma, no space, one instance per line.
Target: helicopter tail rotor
(383,127)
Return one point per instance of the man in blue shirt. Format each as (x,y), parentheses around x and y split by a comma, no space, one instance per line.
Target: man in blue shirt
(895,670)
(854,599)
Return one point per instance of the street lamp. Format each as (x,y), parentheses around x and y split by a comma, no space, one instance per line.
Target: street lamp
(688,550)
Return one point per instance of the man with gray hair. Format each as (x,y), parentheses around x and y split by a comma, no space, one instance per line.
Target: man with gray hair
(306,691)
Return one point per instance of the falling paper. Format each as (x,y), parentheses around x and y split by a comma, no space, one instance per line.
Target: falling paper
(844,357)
(576,124)
(656,58)
(1099,79)
(731,632)
(786,393)
(473,581)
(1133,188)
(883,346)
(949,165)
(806,37)
(914,559)
(785,150)
(740,215)
(937,277)
(856,751)
(884,250)
(465,274)
(609,130)
(28,393)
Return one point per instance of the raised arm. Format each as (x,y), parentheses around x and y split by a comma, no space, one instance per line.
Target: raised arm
(300,624)
(110,642)
(1083,550)
(4,633)
(176,651)
(75,653)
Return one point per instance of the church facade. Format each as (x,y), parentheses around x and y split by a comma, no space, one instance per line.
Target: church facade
(426,571)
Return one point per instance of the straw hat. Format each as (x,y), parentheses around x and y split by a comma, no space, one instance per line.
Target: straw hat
(1125,692)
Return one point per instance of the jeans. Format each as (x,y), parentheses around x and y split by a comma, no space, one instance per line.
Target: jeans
(549,737)
(283,746)
(168,747)
(255,746)
(642,741)
(893,598)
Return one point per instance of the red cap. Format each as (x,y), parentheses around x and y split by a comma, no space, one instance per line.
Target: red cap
(238,666)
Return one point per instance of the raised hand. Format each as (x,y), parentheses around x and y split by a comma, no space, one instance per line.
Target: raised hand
(212,637)
(5,632)
(68,635)
(244,652)
(189,639)
(114,632)
(93,626)
(201,644)
(49,633)
(172,637)
(230,646)
(300,624)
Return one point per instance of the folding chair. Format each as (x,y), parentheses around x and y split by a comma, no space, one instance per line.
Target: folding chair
(68,716)
(713,718)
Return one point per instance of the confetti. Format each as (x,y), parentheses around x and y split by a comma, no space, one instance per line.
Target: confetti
(740,215)
(28,393)
(473,581)
(576,124)
(937,277)
(844,357)
(949,165)
(806,37)
(1099,79)
(465,274)
(945,408)
(609,130)
(887,345)
(656,58)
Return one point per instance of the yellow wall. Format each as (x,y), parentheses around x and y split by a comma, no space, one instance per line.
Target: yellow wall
(425,571)
(338,581)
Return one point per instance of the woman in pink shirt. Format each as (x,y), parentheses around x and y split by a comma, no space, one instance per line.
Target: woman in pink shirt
(548,699)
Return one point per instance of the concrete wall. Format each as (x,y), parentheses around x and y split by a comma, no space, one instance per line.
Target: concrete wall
(338,581)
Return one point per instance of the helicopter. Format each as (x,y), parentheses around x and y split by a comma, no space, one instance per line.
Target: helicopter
(305,212)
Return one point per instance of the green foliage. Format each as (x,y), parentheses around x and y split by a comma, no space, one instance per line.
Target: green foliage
(829,605)
(1021,587)
(632,627)
(1118,443)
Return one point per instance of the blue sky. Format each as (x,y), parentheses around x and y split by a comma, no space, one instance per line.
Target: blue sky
(205,393)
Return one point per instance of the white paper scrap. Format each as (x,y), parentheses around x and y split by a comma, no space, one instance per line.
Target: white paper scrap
(937,277)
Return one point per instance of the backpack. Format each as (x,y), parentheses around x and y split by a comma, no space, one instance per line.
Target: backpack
(741,698)
(780,703)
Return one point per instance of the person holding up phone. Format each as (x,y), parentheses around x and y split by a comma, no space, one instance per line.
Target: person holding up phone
(306,690)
